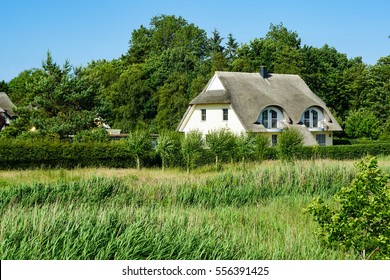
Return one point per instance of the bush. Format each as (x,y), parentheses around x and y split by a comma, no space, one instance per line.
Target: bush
(138,145)
(251,146)
(290,142)
(92,135)
(192,148)
(361,223)
(362,124)
(168,147)
(222,144)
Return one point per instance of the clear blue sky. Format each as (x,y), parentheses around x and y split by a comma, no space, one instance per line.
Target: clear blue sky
(85,30)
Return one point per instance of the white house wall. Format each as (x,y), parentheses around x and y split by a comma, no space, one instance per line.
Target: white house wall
(215,84)
(214,119)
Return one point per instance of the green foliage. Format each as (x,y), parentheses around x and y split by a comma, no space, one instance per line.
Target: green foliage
(385,135)
(251,146)
(3,86)
(92,135)
(361,223)
(139,145)
(376,94)
(169,62)
(224,215)
(168,147)
(362,124)
(192,148)
(289,144)
(221,143)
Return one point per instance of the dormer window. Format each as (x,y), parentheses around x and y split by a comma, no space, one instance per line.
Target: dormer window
(313,118)
(270,118)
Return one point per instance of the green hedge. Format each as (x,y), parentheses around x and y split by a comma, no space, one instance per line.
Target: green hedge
(337,152)
(344,151)
(27,154)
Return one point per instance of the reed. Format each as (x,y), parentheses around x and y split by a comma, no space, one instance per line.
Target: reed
(251,213)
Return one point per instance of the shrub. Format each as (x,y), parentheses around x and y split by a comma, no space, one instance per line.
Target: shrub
(192,148)
(168,146)
(221,143)
(92,135)
(362,124)
(289,144)
(138,145)
(362,222)
(250,146)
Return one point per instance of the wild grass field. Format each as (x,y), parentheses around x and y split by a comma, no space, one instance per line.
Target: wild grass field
(251,212)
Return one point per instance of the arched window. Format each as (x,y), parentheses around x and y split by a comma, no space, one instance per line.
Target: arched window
(270,117)
(313,118)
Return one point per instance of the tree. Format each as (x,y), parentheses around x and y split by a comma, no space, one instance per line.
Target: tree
(218,59)
(60,100)
(221,143)
(250,145)
(290,141)
(168,147)
(362,124)
(361,220)
(131,99)
(376,96)
(92,135)
(192,148)
(331,76)
(3,87)
(138,145)
(231,48)
(279,51)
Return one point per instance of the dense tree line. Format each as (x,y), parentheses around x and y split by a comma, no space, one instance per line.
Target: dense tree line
(170,61)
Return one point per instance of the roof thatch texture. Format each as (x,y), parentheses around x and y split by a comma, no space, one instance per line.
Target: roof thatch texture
(6,105)
(249,94)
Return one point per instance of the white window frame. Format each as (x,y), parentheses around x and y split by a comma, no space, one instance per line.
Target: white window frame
(225,113)
(313,118)
(203,115)
(271,122)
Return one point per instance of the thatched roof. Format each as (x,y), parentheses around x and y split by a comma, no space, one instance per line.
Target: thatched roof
(6,105)
(250,93)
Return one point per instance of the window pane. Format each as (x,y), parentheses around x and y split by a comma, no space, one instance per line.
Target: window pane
(203,114)
(315,118)
(320,139)
(274,117)
(225,114)
(265,118)
(306,118)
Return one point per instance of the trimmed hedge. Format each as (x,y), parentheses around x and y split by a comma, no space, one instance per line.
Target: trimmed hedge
(336,152)
(45,154)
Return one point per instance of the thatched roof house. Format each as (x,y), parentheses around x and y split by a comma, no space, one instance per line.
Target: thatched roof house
(263,103)
(6,110)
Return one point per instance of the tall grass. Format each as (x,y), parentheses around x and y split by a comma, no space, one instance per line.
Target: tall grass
(252,213)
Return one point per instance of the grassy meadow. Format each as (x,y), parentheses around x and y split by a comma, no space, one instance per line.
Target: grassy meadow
(251,212)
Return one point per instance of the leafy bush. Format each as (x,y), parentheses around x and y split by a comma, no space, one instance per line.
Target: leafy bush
(361,223)
(362,124)
(139,145)
(221,143)
(92,135)
(192,148)
(251,146)
(168,147)
(289,143)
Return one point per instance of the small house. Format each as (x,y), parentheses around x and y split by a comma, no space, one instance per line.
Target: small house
(262,103)
(7,113)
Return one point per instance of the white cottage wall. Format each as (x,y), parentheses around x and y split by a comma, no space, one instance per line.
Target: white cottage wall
(214,119)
